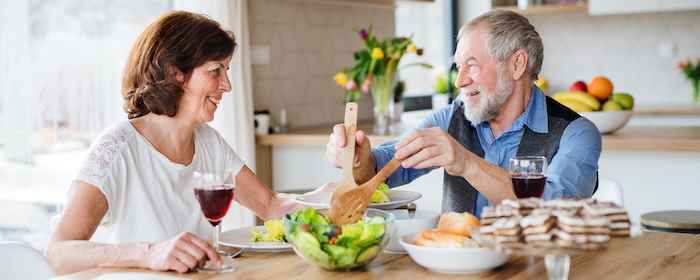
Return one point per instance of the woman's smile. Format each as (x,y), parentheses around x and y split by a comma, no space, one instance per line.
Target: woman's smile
(212,99)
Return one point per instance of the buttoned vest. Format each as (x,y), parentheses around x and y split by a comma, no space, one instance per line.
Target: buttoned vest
(458,195)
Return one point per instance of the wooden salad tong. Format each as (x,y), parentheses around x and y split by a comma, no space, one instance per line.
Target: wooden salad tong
(349,206)
(347,179)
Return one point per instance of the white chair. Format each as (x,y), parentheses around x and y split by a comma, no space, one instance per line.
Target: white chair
(609,191)
(21,261)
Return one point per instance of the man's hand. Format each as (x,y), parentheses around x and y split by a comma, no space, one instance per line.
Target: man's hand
(363,163)
(433,147)
(327,187)
(181,253)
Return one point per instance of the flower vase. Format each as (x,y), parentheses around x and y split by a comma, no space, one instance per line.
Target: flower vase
(382,90)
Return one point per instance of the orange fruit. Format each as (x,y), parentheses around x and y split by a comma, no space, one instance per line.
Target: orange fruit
(600,88)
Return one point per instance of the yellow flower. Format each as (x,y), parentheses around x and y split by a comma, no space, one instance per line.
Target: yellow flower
(341,79)
(377,53)
(412,48)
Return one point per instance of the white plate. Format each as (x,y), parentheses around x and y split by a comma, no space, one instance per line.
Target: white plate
(240,238)
(397,198)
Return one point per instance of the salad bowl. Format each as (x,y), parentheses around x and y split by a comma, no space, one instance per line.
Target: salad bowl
(338,247)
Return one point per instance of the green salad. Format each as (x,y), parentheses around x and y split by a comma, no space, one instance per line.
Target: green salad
(379,195)
(335,247)
(275,232)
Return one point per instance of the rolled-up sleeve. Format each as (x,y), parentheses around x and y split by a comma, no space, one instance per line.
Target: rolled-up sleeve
(384,152)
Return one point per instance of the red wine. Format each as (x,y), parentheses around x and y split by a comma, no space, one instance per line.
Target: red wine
(214,201)
(528,185)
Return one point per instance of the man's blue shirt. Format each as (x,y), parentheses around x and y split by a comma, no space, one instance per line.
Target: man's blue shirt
(572,172)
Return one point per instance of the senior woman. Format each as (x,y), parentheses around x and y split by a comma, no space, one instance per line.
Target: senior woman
(137,181)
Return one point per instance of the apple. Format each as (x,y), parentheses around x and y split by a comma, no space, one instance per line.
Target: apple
(579,86)
(611,106)
(625,100)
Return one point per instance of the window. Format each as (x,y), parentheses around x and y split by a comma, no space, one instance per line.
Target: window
(61,64)
(426,21)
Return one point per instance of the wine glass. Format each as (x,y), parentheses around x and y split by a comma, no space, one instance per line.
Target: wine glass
(214,191)
(528,175)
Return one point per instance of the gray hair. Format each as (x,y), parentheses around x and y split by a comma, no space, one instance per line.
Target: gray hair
(508,32)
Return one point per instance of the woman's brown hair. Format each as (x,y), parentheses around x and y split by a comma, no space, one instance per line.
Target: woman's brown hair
(176,42)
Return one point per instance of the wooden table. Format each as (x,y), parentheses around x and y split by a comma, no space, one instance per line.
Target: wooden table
(656,255)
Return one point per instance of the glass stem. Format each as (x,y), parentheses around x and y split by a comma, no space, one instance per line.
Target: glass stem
(557,266)
(216,238)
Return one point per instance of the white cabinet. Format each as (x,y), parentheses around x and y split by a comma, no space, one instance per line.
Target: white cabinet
(679,5)
(610,7)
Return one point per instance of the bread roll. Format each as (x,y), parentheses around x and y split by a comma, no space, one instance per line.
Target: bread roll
(431,238)
(452,222)
(469,243)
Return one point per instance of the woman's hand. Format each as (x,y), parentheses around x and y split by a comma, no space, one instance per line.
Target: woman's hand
(327,187)
(181,253)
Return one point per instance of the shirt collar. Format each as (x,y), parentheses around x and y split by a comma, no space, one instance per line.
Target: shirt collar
(535,115)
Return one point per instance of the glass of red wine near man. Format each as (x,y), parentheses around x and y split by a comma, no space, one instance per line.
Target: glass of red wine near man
(528,175)
(214,191)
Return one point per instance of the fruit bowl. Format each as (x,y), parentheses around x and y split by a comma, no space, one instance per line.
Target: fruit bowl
(608,121)
(338,247)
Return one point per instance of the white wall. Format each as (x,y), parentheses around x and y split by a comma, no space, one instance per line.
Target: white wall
(623,48)
(654,181)
(309,42)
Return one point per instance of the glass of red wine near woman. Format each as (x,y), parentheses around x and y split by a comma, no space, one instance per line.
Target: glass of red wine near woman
(528,175)
(214,191)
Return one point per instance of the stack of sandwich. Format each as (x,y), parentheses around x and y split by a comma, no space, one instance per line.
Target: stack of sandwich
(452,232)
(565,222)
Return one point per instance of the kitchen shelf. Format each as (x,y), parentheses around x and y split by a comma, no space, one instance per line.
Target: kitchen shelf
(548,9)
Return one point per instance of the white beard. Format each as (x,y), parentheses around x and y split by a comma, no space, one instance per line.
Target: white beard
(490,102)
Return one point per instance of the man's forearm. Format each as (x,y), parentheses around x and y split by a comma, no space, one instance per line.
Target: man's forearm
(492,181)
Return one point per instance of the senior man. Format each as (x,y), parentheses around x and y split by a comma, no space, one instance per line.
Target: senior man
(499,55)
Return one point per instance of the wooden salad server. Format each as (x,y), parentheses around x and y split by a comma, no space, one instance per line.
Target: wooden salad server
(347,179)
(352,205)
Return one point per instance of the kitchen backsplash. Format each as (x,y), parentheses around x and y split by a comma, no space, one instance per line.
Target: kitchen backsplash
(309,43)
(623,48)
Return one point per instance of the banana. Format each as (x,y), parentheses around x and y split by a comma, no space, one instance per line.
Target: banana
(578,96)
(577,106)
(541,83)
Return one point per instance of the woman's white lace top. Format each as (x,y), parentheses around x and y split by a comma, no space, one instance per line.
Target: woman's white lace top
(150,198)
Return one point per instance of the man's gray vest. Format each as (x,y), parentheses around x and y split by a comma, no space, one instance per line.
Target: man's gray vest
(458,195)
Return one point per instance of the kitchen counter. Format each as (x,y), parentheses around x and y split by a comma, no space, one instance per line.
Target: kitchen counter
(667,110)
(636,138)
